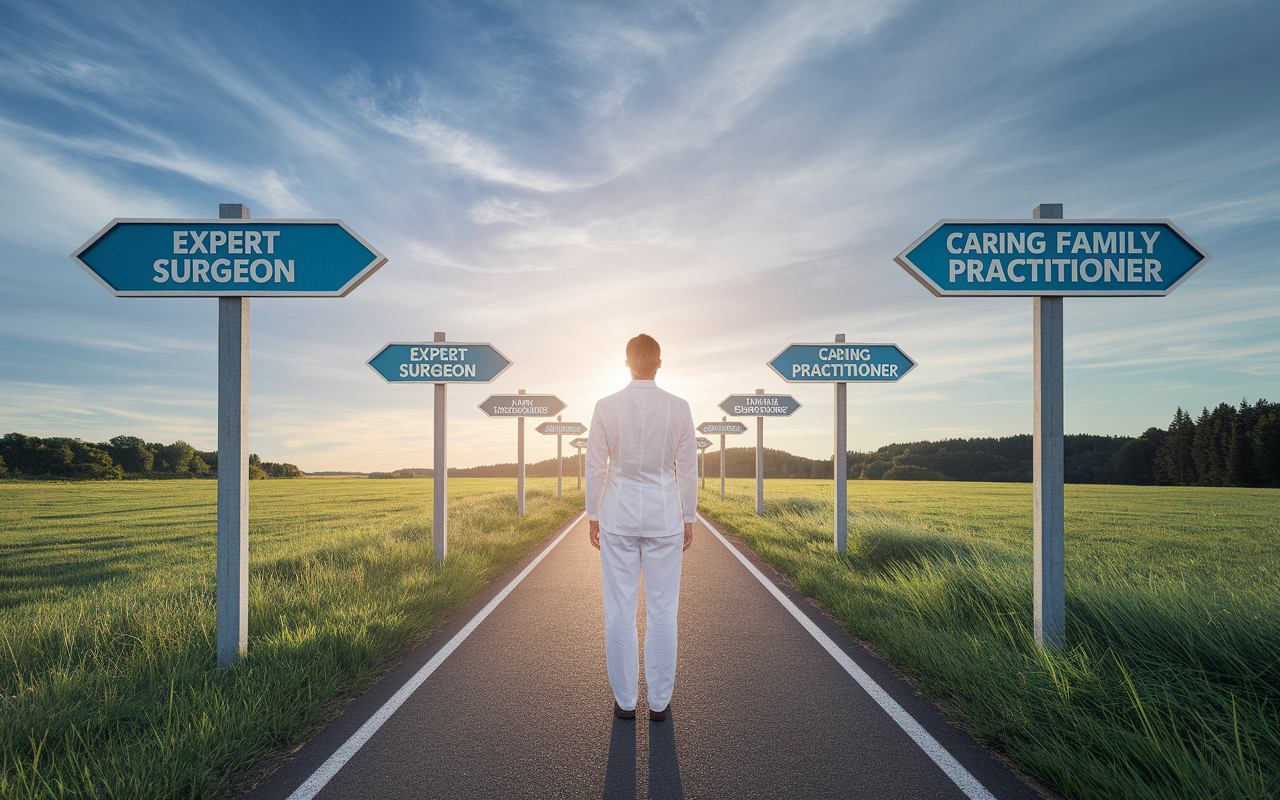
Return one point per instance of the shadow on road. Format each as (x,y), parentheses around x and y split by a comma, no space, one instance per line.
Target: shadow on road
(664,766)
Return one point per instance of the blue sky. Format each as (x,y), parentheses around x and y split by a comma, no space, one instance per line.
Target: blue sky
(557,177)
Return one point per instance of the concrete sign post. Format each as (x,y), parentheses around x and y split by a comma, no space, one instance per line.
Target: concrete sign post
(580,445)
(231,258)
(703,443)
(559,429)
(1047,258)
(439,362)
(520,406)
(758,405)
(723,427)
(841,363)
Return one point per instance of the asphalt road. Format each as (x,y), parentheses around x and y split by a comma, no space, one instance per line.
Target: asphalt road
(522,707)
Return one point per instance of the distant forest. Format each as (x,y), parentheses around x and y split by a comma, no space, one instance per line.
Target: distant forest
(1228,446)
(122,457)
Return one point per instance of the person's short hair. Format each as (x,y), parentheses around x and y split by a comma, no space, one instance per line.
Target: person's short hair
(643,353)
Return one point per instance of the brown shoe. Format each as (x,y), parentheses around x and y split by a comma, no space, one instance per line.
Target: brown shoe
(659,716)
(622,713)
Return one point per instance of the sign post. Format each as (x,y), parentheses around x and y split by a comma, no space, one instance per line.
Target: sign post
(521,405)
(723,427)
(758,405)
(277,258)
(439,362)
(841,362)
(703,443)
(559,429)
(840,462)
(1048,258)
(580,445)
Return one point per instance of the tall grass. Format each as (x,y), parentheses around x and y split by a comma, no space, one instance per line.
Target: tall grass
(108,679)
(1169,682)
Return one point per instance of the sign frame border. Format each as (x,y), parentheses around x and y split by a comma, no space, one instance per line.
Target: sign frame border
(379,260)
(894,345)
(370,365)
(914,271)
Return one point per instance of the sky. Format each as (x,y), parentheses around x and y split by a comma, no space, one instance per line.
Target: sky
(557,177)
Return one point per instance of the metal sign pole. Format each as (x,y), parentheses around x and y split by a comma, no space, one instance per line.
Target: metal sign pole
(759,463)
(579,469)
(520,463)
(559,468)
(840,464)
(440,472)
(1047,463)
(703,452)
(233,470)
(722,419)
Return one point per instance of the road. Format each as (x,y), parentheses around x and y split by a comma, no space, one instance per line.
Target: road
(517,704)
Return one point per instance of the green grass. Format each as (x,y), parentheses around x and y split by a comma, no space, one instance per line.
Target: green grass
(1169,686)
(108,679)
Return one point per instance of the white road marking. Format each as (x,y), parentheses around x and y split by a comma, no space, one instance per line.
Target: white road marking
(342,755)
(931,747)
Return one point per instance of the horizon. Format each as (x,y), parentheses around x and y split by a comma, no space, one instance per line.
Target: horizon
(555,180)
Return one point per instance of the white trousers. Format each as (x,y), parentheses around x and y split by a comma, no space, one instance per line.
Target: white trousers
(621,560)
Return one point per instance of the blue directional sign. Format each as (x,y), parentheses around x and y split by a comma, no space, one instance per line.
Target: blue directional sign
(1053,257)
(760,405)
(439,362)
(842,362)
(228,258)
(722,427)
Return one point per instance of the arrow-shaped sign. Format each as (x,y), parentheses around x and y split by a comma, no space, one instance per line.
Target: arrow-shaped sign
(560,428)
(759,405)
(842,362)
(722,427)
(522,405)
(439,362)
(228,258)
(1052,257)
(702,442)
(578,443)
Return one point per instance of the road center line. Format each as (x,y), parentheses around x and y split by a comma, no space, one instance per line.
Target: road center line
(931,747)
(312,786)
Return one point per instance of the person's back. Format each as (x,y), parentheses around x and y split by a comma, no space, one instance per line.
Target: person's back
(642,494)
(643,429)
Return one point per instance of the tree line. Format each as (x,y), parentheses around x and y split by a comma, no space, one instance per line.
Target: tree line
(123,456)
(1228,446)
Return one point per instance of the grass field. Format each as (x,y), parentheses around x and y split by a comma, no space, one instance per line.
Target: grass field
(108,679)
(1169,685)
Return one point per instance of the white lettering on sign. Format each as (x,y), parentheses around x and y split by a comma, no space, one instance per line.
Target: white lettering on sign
(525,407)
(240,270)
(722,428)
(198,270)
(438,353)
(437,370)
(850,370)
(1064,270)
(760,410)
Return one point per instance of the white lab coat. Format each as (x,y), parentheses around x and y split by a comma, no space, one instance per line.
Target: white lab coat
(642,477)
(642,487)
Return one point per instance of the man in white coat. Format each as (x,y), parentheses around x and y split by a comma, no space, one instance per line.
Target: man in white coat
(642,498)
